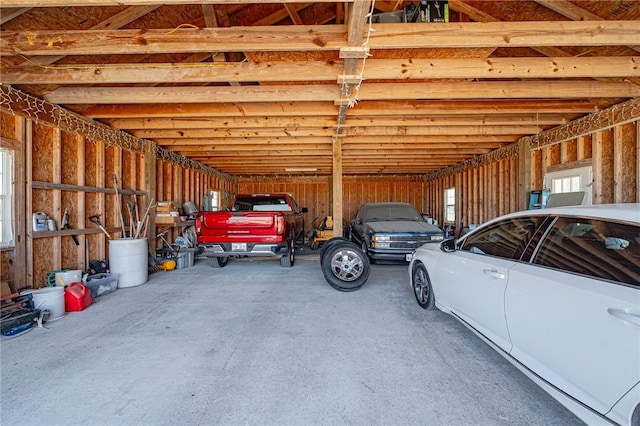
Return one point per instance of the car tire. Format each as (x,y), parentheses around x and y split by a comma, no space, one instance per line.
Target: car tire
(287,260)
(218,261)
(328,244)
(345,267)
(421,286)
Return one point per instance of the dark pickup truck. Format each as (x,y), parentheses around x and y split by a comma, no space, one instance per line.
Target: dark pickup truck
(257,225)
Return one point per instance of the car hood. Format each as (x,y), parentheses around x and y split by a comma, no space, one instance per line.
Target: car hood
(403,226)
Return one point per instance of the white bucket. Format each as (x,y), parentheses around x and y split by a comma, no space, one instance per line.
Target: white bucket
(51,298)
(129,259)
(68,277)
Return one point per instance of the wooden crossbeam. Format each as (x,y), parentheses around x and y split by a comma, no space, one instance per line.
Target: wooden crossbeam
(319,38)
(371,91)
(387,69)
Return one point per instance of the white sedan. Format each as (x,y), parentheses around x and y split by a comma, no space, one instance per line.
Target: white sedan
(557,292)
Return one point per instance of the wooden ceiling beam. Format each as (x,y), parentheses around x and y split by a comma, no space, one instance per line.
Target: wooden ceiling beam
(387,69)
(353,131)
(132,124)
(370,91)
(66,3)
(366,109)
(363,140)
(8,14)
(319,38)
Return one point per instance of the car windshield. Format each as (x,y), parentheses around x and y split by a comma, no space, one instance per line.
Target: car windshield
(393,212)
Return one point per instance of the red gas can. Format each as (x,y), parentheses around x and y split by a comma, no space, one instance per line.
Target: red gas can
(76,297)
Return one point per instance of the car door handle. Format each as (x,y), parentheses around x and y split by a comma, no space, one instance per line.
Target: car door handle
(493,272)
(624,315)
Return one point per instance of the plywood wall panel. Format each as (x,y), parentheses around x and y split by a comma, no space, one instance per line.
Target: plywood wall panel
(7,125)
(42,153)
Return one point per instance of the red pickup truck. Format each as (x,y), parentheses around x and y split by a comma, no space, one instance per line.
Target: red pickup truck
(257,225)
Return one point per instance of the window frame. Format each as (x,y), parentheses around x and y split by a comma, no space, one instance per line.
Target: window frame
(448,206)
(6,198)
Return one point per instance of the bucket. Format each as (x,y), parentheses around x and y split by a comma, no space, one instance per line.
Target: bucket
(51,298)
(189,208)
(129,259)
(66,277)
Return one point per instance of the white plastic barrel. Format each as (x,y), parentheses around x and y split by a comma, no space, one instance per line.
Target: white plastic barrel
(51,298)
(128,258)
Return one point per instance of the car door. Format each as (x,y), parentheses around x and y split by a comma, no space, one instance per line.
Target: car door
(574,313)
(475,276)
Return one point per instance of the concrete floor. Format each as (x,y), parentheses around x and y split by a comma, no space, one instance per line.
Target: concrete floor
(254,343)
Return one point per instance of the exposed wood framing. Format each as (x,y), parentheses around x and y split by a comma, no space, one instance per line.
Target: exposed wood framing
(389,69)
(319,38)
(19,103)
(619,114)
(600,121)
(66,3)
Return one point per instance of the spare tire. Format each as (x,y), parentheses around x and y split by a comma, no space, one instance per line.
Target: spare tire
(344,266)
(328,244)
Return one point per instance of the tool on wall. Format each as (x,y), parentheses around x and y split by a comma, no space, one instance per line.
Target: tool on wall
(133,217)
(115,186)
(65,225)
(96,220)
(141,228)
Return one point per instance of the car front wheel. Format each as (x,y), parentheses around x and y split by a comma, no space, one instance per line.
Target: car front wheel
(422,286)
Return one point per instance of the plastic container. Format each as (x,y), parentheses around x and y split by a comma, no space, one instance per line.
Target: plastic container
(51,298)
(66,277)
(184,258)
(128,258)
(77,297)
(100,284)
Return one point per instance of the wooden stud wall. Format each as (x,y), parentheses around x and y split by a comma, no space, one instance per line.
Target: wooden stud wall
(314,193)
(63,170)
(488,191)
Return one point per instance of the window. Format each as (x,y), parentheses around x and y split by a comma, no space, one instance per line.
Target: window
(6,199)
(450,205)
(595,248)
(572,180)
(507,238)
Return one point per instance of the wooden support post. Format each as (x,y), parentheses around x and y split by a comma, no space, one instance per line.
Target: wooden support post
(337,187)
(149,185)
(603,167)
(524,175)
(624,155)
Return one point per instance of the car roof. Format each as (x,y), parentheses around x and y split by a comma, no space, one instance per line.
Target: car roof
(629,212)
(390,203)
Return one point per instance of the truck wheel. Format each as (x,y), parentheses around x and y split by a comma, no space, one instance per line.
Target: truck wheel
(286,261)
(218,262)
(345,267)
(328,244)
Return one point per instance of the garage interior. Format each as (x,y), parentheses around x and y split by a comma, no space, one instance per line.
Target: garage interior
(172,101)
(326,100)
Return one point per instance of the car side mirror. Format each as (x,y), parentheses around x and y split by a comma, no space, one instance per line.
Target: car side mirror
(448,245)
(305,210)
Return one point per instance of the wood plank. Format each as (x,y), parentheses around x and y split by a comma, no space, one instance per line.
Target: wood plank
(389,69)
(370,91)
(328,131)
(624,157)
(66,3)
(366,108)
(10,13)
(294,38)
(322,121)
